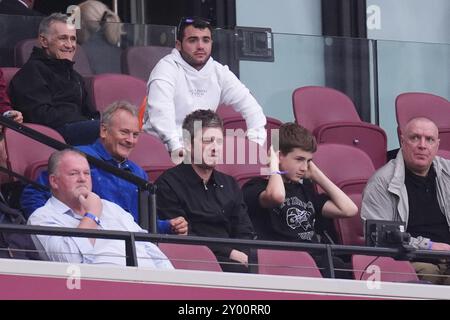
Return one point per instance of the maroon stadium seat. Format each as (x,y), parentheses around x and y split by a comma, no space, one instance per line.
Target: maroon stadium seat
(350,169)
(110,87)
(26,156)
(190,257)
(288,263)
(331,116)
(420,104)
(140,61)
(390,270)
(8,74)
(151,154)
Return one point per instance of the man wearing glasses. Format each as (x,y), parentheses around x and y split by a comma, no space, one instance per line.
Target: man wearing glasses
(189,79)
(415,188)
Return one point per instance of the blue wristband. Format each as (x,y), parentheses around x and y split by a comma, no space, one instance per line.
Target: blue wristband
(93,217)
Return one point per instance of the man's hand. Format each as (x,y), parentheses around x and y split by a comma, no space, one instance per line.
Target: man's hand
(179,226)
(17,116)
(91,203)
(274,157)
(313,172)
(177,155)
(239,256)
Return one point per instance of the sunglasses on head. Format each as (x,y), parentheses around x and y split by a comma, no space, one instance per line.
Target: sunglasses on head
(192,20)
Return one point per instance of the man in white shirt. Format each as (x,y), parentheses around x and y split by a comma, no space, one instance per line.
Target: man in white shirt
(74,205)
(189,79)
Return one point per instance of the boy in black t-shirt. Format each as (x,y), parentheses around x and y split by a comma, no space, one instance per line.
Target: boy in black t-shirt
(285,206)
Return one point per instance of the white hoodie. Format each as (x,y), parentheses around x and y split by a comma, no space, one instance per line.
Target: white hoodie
(175,89)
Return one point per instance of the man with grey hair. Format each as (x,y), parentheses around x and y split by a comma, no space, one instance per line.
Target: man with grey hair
(74,205)
(414,188)
(48,91)
(119,134)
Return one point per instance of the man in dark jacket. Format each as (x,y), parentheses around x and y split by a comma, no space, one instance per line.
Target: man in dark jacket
(210,201)
(49,91)
(16,7)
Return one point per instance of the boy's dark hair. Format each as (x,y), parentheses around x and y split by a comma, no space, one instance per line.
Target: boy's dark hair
(207,119)
(197,22)
(294,136)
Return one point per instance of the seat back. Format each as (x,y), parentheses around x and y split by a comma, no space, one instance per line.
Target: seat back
(365,136)
(23,49)
(315,106)
(190,257)
(420,104)
(243,159)
(8,74)
(151,154)
(26,156)
(391,270)
(350,169)
(110,87)
(233,120)
(288,263)
(140,61)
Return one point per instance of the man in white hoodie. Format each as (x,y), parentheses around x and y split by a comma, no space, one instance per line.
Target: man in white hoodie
(189,79)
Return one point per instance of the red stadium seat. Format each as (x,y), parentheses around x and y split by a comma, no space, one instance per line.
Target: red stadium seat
(8,74)
(108,88)
(288,263)
(190,257)
(26,156)
(140,61)
(390,270)
(331,116)
(420,104)
(350,169)
(151,154)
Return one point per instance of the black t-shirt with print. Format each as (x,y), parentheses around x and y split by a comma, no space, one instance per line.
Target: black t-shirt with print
(293,220)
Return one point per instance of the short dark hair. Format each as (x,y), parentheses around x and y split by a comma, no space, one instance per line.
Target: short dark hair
(208,119)
(294,136)
(197,22)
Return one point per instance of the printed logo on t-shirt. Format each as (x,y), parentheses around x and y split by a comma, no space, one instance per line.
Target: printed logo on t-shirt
(299,217)
(198,92)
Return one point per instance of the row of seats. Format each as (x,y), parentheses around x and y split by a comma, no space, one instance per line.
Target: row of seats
(136,61)
(289,263)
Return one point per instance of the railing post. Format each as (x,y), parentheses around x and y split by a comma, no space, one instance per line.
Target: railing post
(130,251)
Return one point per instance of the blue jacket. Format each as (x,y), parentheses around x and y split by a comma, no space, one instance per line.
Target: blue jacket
(107,186)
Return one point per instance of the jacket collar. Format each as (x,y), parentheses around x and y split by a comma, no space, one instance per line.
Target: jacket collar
(107,157)
(39,54)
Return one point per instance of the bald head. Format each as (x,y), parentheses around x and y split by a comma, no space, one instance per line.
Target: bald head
(420,143)
(422,122)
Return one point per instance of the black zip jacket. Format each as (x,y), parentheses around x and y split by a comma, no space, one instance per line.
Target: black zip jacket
(215,209)
(49,92)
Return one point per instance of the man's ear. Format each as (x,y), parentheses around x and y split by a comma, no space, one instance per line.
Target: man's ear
(178,45)
(43,41)
(103,129)
(53,181)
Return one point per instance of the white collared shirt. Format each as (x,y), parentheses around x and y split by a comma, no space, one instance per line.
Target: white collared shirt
(105,251)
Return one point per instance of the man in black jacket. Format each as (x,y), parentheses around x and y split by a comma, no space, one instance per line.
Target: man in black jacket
(209,200)
(48,91)
(16,7)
